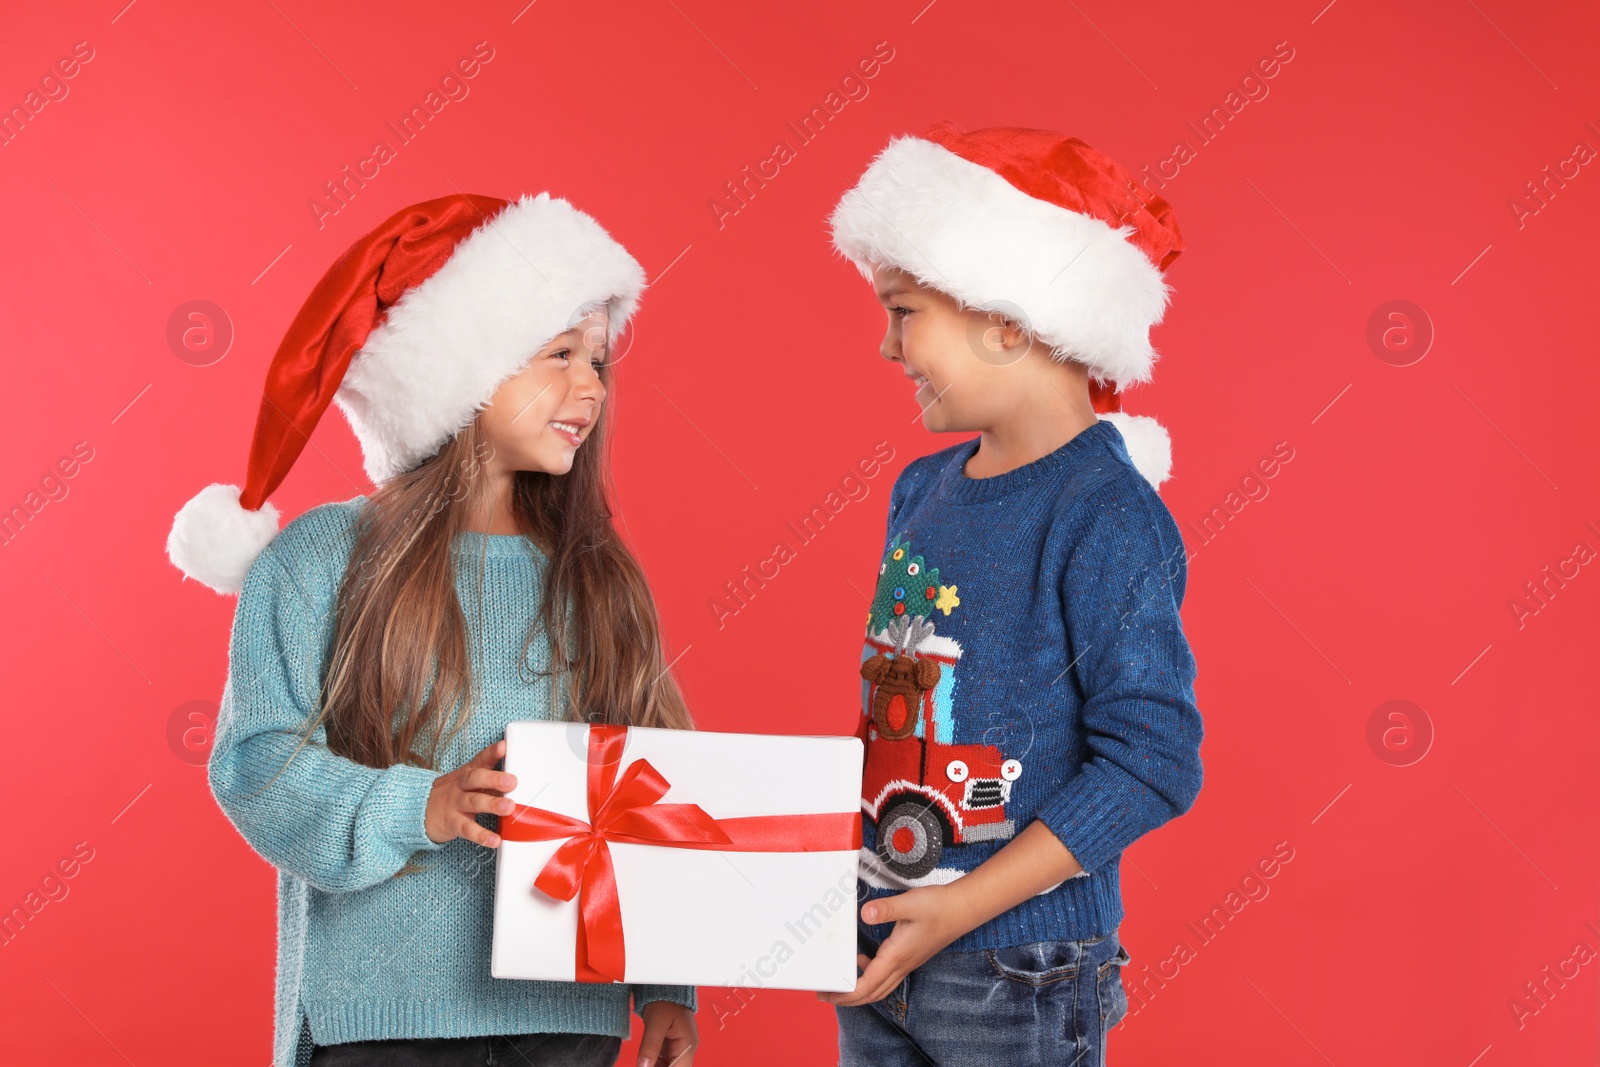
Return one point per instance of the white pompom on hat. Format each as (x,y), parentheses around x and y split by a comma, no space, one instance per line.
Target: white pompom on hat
(1039,227)
(410,333)
(214,540)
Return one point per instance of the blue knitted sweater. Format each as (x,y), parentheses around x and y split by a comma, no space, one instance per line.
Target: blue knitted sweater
(1043,674)
(362,953)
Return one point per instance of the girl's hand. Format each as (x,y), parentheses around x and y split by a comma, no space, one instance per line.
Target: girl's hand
(925,921)
(669,1035)
(470,788)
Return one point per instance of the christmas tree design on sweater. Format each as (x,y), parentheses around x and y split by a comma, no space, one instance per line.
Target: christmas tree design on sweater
(924,792)
(908,586)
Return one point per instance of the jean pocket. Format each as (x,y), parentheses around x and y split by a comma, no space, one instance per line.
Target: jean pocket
(1038,963)
(1109,989)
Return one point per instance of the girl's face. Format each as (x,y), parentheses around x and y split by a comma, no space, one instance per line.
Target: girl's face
(539,418)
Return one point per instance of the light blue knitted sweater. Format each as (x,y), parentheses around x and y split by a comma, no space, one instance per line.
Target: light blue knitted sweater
(363,954)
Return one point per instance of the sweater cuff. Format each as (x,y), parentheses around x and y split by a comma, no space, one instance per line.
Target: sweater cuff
(402,792)
(1097,817)
(678,994)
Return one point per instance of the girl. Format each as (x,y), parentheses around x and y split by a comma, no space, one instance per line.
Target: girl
(381,644)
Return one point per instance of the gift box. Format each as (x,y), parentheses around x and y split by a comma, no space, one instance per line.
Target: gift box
(678,857)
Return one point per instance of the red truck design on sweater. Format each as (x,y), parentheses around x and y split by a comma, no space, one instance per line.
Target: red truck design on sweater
(923,792)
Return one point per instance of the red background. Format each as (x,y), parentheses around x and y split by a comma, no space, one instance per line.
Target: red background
(1381,565)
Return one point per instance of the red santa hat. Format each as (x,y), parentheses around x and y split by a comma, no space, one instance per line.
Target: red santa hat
(1039,227)
(409,333)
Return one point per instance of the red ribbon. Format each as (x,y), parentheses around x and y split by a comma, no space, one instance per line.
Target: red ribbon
(626,809)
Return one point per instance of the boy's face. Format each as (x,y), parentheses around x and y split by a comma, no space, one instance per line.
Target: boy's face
(966,366)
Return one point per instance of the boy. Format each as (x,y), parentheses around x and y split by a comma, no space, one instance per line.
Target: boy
(1028,692)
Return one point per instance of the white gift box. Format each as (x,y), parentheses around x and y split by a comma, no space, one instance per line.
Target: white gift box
(691,916)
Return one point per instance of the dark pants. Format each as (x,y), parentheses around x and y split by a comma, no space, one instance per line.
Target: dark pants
(511,1050)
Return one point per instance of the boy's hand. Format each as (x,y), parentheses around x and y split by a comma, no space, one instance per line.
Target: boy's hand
(669,1035)
(925,921)
(929,918)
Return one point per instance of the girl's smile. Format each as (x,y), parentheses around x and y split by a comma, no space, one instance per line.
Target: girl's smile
(570,431)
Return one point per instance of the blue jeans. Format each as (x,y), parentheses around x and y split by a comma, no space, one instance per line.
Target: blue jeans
(1049,1002)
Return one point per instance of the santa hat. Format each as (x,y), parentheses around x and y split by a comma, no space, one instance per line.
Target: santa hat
(1039,227)
(410,332)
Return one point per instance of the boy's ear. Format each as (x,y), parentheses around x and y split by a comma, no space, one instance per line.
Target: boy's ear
(999,339)
(1011,333)
(1015,341)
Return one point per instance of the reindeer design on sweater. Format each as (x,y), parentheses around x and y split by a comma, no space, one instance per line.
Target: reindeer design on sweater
(900,680)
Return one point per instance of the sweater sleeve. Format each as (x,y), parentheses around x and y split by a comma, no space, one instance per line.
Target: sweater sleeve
(1121,591)
(678,994)
(338,825)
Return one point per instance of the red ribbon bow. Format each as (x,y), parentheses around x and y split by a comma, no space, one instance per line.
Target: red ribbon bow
(626,809)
